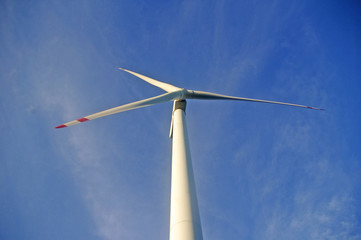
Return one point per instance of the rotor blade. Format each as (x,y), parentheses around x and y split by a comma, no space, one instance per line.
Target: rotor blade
(142,103)
(214,96)
(165,86)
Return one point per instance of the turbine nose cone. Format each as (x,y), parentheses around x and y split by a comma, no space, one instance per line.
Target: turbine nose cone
(188,93)
(183,94)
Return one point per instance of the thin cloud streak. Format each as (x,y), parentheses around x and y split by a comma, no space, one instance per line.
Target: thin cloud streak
(262,172)
(92,173)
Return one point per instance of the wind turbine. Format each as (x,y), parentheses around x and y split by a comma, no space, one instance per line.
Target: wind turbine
(185,222)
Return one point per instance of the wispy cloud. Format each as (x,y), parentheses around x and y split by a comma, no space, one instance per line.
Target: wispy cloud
(91,171)
(319,201)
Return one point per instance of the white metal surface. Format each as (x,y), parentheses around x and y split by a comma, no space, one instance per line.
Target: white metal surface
(165,86)
(166,97)
(184,214)
(173,94)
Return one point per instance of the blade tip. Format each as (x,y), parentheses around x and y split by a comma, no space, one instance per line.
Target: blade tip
(61,126)
(321,109)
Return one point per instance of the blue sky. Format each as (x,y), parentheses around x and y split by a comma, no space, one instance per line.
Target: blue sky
(262,171)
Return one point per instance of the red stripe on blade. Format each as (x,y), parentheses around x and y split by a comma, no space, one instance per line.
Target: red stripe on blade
(82,119)
(61,126)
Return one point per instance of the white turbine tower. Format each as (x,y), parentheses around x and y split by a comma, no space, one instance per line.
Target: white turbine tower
(184,214)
